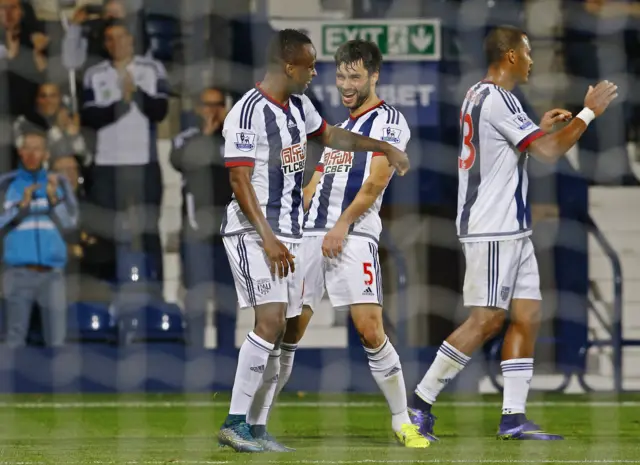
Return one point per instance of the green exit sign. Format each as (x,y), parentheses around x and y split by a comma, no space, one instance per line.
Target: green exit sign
(406,41)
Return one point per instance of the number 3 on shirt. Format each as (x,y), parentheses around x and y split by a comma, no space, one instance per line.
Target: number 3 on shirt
(368,280)
(467,135)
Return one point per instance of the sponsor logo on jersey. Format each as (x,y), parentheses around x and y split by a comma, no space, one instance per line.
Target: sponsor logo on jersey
(245,141)
(293,158)
(337,161)
(391,135)
(522,122)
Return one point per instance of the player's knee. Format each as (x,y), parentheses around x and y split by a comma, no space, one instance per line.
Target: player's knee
(370,329)
(270,324)
(526,315)
(294,331)
(489,321)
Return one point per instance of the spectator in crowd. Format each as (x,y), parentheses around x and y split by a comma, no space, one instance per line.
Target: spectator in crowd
(91,262)
(24,50)
(198,154)
(38,209)
(595,29)
(83,43)
(62,127)
(124,98)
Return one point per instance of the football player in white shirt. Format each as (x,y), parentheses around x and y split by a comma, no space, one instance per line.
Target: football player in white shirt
(342,229)
(265,149)
(494,227)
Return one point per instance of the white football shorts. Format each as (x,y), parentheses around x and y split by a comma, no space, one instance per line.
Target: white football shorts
(500,271)
(255,285)
(354,277)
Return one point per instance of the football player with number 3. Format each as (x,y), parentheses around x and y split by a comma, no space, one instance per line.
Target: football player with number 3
(494,226)
(342,229)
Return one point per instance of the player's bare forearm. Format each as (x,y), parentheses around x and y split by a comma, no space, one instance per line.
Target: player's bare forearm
(240,179)
(310,188)
(364,200)
(341,139)
(551,147)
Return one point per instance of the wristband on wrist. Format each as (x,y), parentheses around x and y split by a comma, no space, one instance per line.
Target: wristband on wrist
(587,115)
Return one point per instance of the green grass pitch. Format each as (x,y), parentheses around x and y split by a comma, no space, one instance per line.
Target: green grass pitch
(325,429)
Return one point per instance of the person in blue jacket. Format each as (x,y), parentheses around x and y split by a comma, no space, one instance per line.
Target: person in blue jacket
(37,210)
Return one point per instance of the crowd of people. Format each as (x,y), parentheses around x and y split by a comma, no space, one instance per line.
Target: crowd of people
(92,150)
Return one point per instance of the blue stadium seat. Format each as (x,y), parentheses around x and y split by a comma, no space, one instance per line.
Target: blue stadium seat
(145,319)
(134,266)
(164,36)
(91,322)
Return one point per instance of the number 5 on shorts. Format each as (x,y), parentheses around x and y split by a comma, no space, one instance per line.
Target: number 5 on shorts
(368,273)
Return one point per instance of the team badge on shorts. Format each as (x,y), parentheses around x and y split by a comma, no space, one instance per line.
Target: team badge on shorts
(504,292)
(263,286)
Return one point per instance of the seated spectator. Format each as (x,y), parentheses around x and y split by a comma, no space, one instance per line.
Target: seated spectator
(25,52)
(63,128)
(91,264)
(198,154)
(124,98)
(83,44)
(38,209)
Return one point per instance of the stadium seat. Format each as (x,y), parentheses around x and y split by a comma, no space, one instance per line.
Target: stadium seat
(134,266)
(91,322)
(164,36)
(144,319)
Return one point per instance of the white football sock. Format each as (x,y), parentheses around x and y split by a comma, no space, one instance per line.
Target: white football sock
(286,364)
(386,369)
(252,362)
(262,401)
(517,374)
(448,363)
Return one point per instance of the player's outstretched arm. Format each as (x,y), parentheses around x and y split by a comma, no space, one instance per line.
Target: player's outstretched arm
(310,188)
(341,139)
(279,256)
(552,146)
(371,189)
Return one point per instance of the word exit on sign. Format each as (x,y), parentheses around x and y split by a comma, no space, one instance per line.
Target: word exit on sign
(398,40)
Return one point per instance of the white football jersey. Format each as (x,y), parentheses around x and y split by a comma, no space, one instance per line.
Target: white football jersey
(343,173)
(492,165)
(272,139)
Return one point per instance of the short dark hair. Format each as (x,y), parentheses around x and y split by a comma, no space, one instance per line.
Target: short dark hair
(355,50)
(35,131)
(197,96)
(116,22)
(285,45)
(500,40)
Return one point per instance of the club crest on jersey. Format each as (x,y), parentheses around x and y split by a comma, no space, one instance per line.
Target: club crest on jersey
(391,135)
(522,121)
(337,161)
(245,141)
(293,158)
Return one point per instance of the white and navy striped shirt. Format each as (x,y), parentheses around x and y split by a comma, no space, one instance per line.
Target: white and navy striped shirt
(272,139)
(343,173)
(126,133)
(492,165)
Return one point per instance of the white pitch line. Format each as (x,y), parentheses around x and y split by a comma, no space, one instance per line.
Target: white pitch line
(289,404)
(319,462)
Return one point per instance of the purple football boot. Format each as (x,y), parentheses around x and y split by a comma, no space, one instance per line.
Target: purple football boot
(424,421)
(516,427)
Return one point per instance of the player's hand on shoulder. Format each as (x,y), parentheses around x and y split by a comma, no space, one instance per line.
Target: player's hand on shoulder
(599,97)
(280,259)
(553,117)
(333,241)
(398,159)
